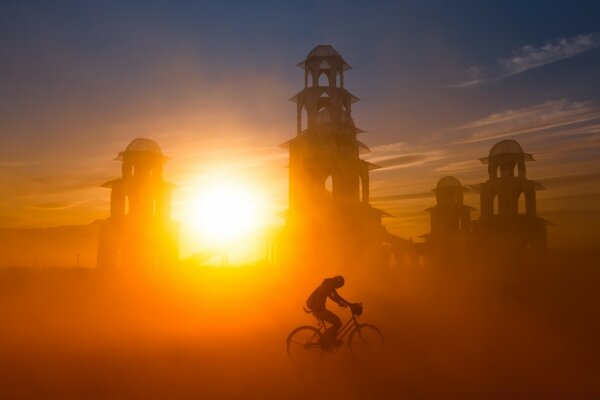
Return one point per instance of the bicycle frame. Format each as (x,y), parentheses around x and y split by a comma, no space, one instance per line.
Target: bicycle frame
(344,330)
(308,338)
(347,327)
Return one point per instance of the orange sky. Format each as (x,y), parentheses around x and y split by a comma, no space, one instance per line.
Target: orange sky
(215,100)
(57,182)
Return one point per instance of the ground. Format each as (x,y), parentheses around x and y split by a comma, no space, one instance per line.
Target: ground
(220,333)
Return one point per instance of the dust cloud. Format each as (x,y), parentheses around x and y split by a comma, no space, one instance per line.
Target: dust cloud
(193,332)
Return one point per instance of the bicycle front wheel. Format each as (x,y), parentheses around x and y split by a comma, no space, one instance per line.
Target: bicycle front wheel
(303,346)
(366,343)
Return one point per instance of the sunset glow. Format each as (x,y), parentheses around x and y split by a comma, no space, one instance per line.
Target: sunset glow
(223,212)
(289,200)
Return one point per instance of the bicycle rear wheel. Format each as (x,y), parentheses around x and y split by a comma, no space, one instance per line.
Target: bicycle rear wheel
(366,343)
(303,346)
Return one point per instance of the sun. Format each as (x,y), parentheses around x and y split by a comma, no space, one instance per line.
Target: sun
(224,212)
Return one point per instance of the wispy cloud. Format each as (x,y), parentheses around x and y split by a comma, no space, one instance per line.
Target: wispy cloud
(52,206)
(389,148)
(403,196)
(460,166)
(406,160)
(549,115)
(591,179)
(529,57)
(398,155)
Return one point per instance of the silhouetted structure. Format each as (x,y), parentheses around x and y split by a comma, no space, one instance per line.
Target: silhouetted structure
(329,209)
(139,231)
(509,220)
(508,226)
(450,223)
(450,216)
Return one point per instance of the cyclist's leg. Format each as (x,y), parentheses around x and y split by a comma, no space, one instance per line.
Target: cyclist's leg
(329,335)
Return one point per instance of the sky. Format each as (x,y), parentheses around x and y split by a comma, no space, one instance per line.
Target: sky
(439,82)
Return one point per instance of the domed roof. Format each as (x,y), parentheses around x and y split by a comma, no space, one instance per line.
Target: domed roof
(143,145)
(447,182)
(506,147)
(322,50)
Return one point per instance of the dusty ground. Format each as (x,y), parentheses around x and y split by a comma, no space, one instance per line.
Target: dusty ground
(216,333)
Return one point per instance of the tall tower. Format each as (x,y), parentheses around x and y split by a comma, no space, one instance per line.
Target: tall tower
(328,181)
(325,167)
(508,200)
(139,230)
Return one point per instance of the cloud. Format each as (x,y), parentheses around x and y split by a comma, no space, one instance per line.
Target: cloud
(404,196)
(460,166)
(400,155)
(592,179)
(18,164)
(529,57)
(54,206)
(408,159)
(387,149)
(549,115)
(587,142)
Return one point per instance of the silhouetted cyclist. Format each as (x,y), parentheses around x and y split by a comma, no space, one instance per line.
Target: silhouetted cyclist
(316,303)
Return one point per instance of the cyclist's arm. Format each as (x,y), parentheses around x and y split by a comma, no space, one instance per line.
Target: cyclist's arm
(334,295)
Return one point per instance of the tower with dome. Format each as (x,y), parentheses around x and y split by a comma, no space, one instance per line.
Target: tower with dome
(139,231)
(508,203)
(329,211)
(450,215)
(450,220)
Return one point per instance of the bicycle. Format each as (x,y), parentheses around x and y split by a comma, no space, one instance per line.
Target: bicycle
(365,340)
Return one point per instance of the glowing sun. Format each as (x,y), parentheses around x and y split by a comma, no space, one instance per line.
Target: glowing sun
(223,212)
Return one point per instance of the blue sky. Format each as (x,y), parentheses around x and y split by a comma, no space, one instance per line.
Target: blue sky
(440,83)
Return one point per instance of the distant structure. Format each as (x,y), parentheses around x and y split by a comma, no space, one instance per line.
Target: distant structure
(509,220)
(450,223)
(329,210)
(139,231)
(508,230)
(450,216)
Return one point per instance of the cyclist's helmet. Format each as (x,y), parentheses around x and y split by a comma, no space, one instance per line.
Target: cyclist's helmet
(339,281)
